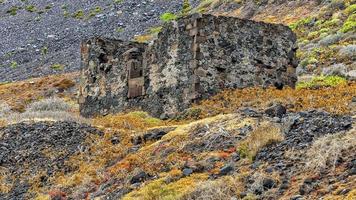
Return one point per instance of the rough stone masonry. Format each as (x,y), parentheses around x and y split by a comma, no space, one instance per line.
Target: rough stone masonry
(191,59)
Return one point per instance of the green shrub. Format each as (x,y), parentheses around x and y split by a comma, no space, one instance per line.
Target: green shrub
(120,30)
(155,30)
(350,24)
(13,64)
(13,10)
(79,14)
(301,22)
(322,81)
(44,50)
(66,13)
(244,152)
(95,11)
(313,35)
(191,113)
(167,17)
(186,7)
(308,61)
(351,9)
(57,67)
(330,23)
(324,30)
(30,8)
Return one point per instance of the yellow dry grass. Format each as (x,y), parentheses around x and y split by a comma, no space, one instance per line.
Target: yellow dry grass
(159,189)
(332,99)
(326,150)
(19,94)
(267,133)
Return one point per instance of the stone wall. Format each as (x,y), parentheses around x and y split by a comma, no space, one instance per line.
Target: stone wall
(192,59)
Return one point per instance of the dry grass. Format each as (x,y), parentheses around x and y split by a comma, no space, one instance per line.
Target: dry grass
(19,94)
(45,116)
(92,165)
(5,110)
(154,157)
(51,109)
(133,121)
(266,134)
(160,190)
(50,104)
(224,188)
(326,150)
(5,186)
(332,99)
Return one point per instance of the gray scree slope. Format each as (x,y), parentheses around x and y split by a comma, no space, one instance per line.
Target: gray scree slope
(27,36)
(191,59)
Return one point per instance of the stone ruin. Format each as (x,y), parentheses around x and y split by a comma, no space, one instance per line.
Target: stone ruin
(191,59)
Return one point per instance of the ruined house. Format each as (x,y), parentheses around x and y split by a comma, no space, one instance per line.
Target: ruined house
(191,59)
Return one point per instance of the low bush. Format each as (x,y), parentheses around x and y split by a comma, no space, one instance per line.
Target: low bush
(326,150)
(57,67)
(79,14)
(132,121)
(13,10)
(308,61)
(348,51)
(95,11)
(264,135)
(322,81)
(158,189)
(155,30)
(51,109)
(331,39)
(225,188)
(13,64)
(5,110)
(350,9)
(302,22)
(46,116)
(167,17)
(30,8)
(349,24)
(51,104)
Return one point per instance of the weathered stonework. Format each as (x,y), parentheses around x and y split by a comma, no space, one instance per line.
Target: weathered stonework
(192,59)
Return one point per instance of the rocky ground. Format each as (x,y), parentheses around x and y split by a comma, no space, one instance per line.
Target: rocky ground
(39,149)
(269,153)
(42,37)
(251,143)
(39,36)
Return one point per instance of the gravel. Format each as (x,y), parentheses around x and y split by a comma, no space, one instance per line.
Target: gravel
(32,43)
(30,149)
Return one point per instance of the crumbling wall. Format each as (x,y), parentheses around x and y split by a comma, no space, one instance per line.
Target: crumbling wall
(112,75)
(192,59)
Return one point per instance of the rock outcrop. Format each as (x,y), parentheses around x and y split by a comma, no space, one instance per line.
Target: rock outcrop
(192,59)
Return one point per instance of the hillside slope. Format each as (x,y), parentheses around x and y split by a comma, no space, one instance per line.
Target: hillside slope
(249,144)
(42,37)
(325,29)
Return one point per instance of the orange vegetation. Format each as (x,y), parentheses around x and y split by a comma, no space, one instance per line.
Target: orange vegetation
(332,99)
(19,94)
